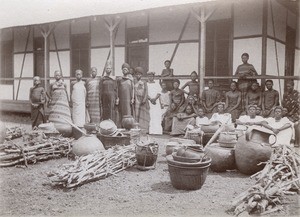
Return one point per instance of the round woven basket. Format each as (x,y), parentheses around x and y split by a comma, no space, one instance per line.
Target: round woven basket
(107,127)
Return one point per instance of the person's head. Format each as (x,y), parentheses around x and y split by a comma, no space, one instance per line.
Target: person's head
(245,57)
(150,76)
(36,80)
(254,86)
(233,85)
(163,85)
(172,106)
(221,107)
(176,84)
(194,76)
(278,112)
(201,112)
(167,64)
(93,72)
(191,99)
(125,68)
(57,75)
(139,71)
(189,110)
(290,86)
(258,110)
(284,112)
(78,74)
(210,84)
(252,110)
(269,84)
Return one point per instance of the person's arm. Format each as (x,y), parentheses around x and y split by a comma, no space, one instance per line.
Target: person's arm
(86,93)
(276,99)
(71,92)
(184,86)
(132,92)
(30,98)
(226,101)
(253,72)
(237,71)
(262,101)
(145,93)
(247,100)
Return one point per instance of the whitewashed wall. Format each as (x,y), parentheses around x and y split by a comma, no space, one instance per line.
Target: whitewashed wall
(27,72)
(99,56)
(6,91)
(280,20)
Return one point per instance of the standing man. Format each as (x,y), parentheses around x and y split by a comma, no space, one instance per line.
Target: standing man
(93,105)
(37,98)
(245,70)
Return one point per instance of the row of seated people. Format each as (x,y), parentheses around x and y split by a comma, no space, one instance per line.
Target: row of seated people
(197,121)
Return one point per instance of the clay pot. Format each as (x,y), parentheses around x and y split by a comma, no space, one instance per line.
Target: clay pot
(87,145)
(251,149)
(210,128)
(146,155)
(64,129)
(222,158)
(90,127)
(128,122)
(171,147)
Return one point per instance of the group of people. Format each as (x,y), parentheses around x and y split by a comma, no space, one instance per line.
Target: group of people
(162,106)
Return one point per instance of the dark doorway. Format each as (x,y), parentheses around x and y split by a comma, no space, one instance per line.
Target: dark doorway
(80,54)
(137,47)
(39,56)
(218,50)
(290,50)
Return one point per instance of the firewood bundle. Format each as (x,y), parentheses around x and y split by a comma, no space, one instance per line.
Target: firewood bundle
(92,167)
(280,176)
(39,148)
(14,132)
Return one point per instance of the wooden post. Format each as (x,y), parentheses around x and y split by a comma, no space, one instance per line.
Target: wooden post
(46,53)
(202,19)
(202,52)
(111,26)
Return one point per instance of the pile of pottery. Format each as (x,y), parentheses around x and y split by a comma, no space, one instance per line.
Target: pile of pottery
(188,168)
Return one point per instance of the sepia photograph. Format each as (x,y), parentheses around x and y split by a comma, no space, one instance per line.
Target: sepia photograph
(149,108)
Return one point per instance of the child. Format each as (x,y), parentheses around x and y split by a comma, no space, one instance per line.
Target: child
(177,95)
(37,99)
(168,72)
(164,98)
(193,86)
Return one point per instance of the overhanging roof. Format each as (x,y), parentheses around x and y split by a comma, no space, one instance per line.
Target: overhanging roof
(29,12)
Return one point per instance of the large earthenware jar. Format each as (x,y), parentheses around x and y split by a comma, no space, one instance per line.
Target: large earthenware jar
(253,148)
(146,155)
(128,122)
(222,158)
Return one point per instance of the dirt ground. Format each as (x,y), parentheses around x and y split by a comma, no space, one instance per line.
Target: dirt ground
(27,191)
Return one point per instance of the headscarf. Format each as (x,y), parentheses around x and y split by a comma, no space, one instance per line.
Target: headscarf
(126,65)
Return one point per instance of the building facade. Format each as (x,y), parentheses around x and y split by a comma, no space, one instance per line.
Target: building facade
(266,29)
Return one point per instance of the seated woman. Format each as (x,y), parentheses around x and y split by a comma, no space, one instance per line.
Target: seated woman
(248,120)
(220,117)
(201,120)
(168,118)
(281,126)
(190,100)
(181,120)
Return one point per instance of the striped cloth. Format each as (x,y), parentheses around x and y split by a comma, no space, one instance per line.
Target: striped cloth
(59,106)
(93,99)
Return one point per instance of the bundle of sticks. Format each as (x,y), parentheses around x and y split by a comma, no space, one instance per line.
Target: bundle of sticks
(280,176)
(14,132)
(92,167)
(31,151)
